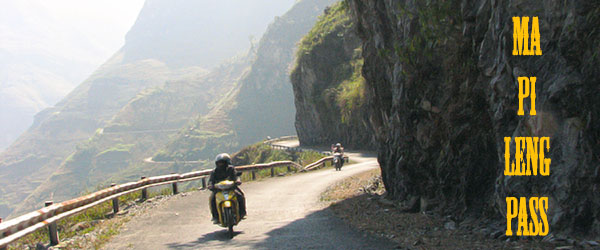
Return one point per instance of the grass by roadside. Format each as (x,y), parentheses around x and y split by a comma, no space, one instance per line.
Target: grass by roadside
(261,153)
(92,228)
(359,201)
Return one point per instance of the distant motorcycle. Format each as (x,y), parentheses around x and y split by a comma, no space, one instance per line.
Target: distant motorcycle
(338,161)
(227,205)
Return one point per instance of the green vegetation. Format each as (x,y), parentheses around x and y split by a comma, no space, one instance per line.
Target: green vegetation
(83,155)
(117,148)
(261,153)
(195,144)
(335,16)
(90,218)
(351,95)
(439,34)
(340,93)
(88,221)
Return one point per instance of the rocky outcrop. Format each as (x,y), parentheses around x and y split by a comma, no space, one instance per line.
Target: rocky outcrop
(442,85)
(328,84)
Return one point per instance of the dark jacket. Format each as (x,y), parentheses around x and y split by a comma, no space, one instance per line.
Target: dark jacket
(222,173)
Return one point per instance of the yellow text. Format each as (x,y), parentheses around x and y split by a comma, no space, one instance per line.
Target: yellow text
(530,222)
(534,159)
(521,37)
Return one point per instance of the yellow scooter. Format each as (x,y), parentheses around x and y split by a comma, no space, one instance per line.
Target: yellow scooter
(227,205)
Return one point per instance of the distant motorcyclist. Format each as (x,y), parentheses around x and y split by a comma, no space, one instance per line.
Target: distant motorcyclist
(224,171)
(337,148)
(338,156)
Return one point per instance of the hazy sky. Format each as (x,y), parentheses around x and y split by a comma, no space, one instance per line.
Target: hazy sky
(89,30)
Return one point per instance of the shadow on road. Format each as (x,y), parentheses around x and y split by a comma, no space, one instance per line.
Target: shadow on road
(318,230)
(219,235)
(321,230)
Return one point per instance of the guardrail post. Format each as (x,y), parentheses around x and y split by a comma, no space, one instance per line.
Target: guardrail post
(175,190)
(52,230)
(2,248)
(204,183)
(115,202)
(253,175)
(144,191)
(272,172)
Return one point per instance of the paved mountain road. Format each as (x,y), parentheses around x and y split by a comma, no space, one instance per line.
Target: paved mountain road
(283,213)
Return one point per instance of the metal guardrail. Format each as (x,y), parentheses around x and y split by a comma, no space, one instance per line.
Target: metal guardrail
(286,148)
(23,225)
(281,147)
(318,163)
(283,138)
(298,149)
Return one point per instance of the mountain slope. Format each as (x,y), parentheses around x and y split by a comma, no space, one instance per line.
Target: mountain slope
(198,33)
(139,65)
(46,50)
(116,152)
(265,105)
(261,103)
(55,132)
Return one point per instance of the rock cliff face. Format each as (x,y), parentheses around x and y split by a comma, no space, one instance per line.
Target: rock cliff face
(442,85)
(328,84)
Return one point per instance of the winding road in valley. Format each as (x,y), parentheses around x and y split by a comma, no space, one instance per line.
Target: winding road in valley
(283,213)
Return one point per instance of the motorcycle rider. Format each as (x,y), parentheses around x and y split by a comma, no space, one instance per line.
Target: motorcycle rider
(225,171)
(338,152)
(337,148)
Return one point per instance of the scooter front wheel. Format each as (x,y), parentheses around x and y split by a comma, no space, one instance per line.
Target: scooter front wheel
(229,216)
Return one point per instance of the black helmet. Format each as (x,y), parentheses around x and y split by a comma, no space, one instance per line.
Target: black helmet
(224,157)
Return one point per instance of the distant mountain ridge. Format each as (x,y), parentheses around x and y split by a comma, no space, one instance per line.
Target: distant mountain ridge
(261,103)
(138,67)
(44,54)
(226,29)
